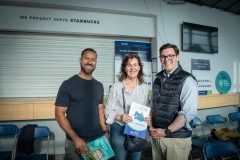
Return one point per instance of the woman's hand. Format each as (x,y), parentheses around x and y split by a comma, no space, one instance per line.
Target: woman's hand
(148,120)
(126,118)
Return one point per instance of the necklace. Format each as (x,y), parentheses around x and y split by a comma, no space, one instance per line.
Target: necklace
(131,86)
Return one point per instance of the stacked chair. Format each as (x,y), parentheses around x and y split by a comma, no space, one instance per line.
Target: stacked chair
(198,143)
(42,132)
(235,116)
(220,149)
(215,119)
(8,130)
(224,149)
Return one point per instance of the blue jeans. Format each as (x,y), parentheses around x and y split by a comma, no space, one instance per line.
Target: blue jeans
(117,139)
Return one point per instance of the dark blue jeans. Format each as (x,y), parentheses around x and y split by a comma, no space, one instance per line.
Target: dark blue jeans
(117,139)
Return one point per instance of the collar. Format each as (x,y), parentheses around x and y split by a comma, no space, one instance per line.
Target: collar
(169,74)
(124,86)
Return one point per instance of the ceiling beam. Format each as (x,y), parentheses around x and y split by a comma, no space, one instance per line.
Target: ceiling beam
(216,3)
(231,5)
(199,2)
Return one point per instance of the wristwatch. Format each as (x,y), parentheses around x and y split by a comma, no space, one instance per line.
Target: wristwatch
(168,132)
(106,131)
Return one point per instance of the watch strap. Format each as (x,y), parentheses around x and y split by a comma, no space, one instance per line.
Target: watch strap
(106,131)
(168,132)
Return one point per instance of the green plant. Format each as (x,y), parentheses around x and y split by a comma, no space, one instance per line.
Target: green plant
(89,154)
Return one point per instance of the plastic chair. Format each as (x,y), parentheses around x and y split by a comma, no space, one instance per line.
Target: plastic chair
(221,149)
(39,132)
(215,119)
(8,130)
(235,116)
(198,142)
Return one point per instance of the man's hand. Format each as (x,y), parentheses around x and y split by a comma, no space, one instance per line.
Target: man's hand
(156,132)
(80,145)
(106,135)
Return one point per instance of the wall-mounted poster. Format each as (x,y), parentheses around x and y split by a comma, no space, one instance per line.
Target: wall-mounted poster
(201,71)
(223,82)
(143,50)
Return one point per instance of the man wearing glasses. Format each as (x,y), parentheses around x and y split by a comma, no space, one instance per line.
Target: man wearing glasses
(174,106)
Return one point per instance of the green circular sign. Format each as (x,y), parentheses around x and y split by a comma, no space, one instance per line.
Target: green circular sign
(223,82)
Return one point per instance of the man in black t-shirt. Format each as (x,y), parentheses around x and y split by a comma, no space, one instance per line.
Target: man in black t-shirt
(79,107)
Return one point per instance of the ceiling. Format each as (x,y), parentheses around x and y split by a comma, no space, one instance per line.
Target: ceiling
(230,6)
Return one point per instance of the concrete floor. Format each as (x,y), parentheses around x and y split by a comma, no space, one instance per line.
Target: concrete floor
(147,155)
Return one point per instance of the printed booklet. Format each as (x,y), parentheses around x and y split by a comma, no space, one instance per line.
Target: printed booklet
(100,149)
(138,126)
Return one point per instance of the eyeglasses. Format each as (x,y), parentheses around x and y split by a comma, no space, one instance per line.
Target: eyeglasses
(170,57)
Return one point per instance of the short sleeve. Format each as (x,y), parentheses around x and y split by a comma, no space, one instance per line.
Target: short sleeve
(102,95)
(63,98)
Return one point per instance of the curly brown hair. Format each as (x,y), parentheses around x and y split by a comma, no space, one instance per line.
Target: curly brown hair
(123,74)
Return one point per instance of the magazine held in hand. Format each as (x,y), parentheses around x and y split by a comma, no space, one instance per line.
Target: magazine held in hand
(100,150)
(138,126)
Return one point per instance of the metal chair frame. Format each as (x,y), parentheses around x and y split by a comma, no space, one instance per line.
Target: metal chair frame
(40,132)
(215,119)
(224,149)
(198,142)
(235,116)
(8,130)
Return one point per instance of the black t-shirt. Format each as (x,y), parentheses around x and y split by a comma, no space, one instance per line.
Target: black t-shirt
(82,98)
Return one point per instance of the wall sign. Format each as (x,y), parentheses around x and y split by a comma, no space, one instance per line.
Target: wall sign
(202,72)
(18,18)
(223,82)
(144,52)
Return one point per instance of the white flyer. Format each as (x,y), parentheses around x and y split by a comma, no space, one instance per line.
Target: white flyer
(138,126)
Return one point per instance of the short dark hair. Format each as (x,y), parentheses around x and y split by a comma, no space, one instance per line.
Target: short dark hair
(168,45)
(123,74)
(88,49)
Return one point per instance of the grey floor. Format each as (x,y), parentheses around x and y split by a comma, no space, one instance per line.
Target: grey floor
(147,155)
(59,157)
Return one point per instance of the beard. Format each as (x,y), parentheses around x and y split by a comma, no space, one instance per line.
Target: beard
(87,71)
